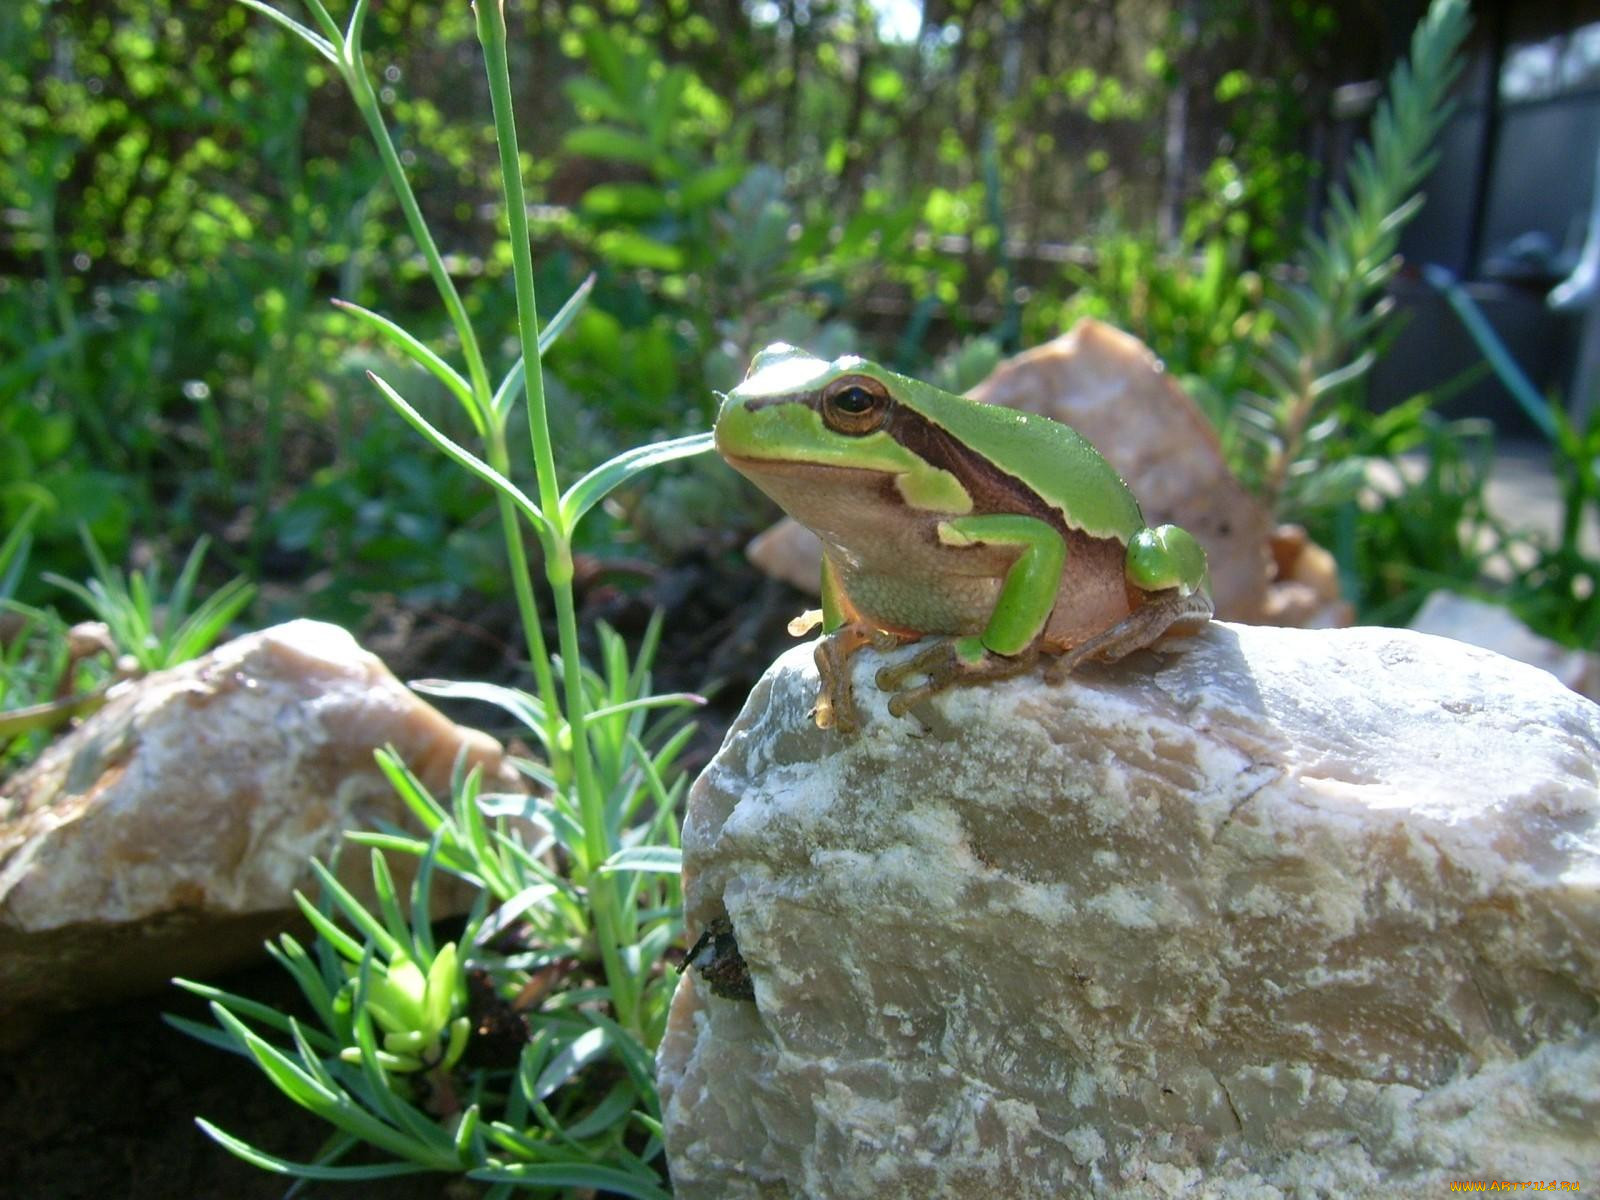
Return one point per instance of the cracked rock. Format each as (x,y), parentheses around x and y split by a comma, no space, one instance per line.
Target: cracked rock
(1266,913)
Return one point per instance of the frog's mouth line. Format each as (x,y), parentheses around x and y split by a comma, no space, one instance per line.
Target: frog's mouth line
(797,466)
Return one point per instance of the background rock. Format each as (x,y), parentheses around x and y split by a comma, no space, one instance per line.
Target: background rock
(1286,913)
(1110,387)
(165,835)
(1478,623)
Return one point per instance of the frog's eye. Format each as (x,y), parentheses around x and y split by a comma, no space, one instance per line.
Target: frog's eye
(855,405)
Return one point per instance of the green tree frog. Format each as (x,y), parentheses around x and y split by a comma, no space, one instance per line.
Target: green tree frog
(1003,533)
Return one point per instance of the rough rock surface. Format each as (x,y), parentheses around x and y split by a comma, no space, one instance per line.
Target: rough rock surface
(166,833)
(1276,913)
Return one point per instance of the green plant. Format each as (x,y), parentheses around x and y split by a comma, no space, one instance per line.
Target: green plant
(42,682)
(1558,595)
(14,550)
(1197,306)
(48,672)
(595,921)
(158,631)
(1554,586)
(664,123)
(1404,508)
(1328,325)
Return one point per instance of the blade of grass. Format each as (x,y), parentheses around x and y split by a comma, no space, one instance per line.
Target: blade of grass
(463,457)
(600,482)
(284,1166)
(422,355)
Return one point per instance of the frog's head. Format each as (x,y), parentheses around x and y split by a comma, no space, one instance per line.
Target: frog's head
(794,407)
(797,422)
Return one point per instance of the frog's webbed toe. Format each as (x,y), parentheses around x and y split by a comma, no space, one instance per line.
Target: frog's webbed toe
(1162,612)
(943,666)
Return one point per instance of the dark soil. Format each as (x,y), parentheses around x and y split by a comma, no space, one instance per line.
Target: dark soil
(99,1104)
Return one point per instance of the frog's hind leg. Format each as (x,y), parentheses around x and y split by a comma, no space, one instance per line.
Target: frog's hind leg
(836,704)
(944,666)
(845,633)
(1161,613)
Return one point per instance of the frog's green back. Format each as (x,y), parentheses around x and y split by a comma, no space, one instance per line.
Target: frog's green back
(1052,459)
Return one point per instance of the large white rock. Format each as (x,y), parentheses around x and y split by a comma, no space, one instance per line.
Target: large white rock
(1286,913)
(166,834)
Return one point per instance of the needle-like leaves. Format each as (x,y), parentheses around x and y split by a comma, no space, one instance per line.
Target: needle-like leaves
(419,353)
(1327,321)
(462,456)
(612,474)
(658,859)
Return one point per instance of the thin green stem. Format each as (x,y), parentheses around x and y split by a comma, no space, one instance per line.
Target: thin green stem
(495,443)
(528,608)
(602,889)
(492,34)
(367,102)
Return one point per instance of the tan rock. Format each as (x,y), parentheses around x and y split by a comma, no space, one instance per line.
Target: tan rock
(165,834)
(1305,584)
(1286,913)
(1111,388)
(790,552)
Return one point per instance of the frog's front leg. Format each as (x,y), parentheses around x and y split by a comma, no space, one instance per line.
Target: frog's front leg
(1008,645)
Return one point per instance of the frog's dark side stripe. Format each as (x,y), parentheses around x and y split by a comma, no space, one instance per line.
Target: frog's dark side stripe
(991,489)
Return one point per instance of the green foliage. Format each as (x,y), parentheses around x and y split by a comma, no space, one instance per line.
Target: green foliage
(142,155)
(389,1058)
(1197,306)
(14,550)
(1558,594)
(48,672)
(1402,504)
(592,904)
(43,681)
(186,193)
(664,122)
(157,630)
(1328,327)
(1552,584)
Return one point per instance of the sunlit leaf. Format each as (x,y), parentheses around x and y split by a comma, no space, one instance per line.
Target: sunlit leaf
(664,860)
(612,474)
(635,201)
(420,354)
(629,248)
(609,142)
(462,456)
